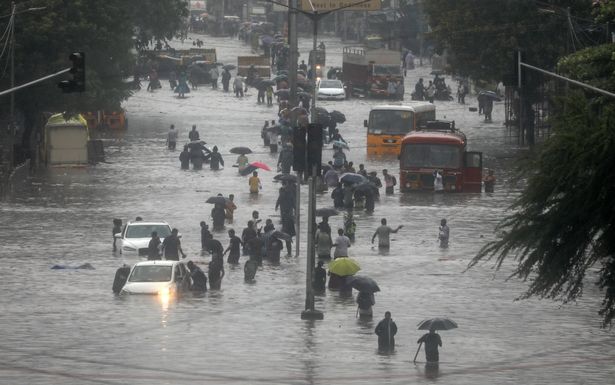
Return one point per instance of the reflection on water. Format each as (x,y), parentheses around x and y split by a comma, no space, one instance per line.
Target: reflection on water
(67,327)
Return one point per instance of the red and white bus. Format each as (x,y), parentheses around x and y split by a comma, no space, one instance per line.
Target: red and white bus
(439,146)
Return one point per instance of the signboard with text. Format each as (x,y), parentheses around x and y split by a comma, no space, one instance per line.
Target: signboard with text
(332,5)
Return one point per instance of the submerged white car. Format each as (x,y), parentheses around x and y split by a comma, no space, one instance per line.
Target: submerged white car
(135,237)
(331,89)
(157,277)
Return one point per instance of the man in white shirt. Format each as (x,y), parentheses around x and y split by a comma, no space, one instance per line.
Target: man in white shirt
(171,138)
(438,184)
(383,232)
(342,243)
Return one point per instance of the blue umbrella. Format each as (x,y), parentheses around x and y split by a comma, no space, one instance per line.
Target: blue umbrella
(339,143)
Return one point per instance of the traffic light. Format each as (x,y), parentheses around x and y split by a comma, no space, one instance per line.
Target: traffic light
(299,148)
(77,70)
(314,149)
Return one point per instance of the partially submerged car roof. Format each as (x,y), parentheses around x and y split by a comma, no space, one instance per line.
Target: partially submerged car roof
(147,223)
(157,263)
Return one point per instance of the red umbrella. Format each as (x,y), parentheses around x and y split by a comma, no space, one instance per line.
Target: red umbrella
(260,165)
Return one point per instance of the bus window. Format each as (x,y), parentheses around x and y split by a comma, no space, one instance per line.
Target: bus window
(390,122)
(430,156)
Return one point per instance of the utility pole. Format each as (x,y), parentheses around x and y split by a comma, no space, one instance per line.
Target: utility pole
(11,138)
(315,19)
(293,53)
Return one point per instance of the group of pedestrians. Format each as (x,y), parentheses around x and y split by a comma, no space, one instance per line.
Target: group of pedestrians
(353,193)
(386,330)
(195,152)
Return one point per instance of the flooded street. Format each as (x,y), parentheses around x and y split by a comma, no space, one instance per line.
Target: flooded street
(67,327)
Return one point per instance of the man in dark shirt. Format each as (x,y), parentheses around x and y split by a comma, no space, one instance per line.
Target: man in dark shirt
(171,245)
(205,235)
(248,234)
(233,248)
(215,159)
(432,340)
(152,247)
(199,280)
(320,277)
(194,134)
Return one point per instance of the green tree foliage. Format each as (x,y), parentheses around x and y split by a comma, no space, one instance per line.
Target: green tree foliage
(482,36)
(564,221)
(104,30)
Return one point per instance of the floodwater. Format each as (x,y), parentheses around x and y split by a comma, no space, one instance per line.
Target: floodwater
(66,326)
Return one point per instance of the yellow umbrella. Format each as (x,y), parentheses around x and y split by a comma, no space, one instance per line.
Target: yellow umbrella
(344,266)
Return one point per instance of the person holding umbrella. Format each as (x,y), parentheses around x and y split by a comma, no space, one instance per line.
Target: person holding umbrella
(386,331)
(242,162)
(432,340)
(365,301)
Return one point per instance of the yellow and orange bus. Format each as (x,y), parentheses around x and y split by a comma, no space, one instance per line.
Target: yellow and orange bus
(388,124)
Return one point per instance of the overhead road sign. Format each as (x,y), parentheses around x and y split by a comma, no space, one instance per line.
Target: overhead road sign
(344,5)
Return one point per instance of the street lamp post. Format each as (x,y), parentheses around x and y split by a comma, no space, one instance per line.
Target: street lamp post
(11,128)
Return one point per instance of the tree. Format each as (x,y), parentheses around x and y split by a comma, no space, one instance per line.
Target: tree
(104,30)
(564,220)
(483,35)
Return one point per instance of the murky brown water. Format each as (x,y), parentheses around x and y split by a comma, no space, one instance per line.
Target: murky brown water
(66,327)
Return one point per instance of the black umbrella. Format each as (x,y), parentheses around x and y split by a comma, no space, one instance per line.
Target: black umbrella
(437,72)
(266,83)
(437,324)
(217,200)
(240,150)
(354,178)
(229,67)
(489,95)
(337,116)
(281,235)
(368,188)
(286,177)
(326,212)
(363,283)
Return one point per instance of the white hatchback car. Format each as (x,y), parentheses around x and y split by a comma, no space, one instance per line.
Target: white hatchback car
(135,237)
(157,277)
(331,89)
